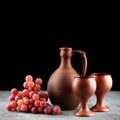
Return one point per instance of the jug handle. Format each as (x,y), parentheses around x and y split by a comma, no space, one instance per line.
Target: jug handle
(84,68)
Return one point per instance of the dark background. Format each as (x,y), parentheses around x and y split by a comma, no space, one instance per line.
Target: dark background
(31,38)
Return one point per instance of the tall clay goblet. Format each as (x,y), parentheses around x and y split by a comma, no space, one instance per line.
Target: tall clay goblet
(84,87)
(104,84)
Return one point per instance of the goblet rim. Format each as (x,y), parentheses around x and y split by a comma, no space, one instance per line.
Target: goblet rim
(100,73)
(86,76)
(65,48)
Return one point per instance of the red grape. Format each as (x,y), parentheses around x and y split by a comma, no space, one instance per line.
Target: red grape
(13,104)
(25,84)
(24,108)
(43,104)
(41,110)
(20,102)
(37,87)
(56,109)
(31,93)
(14,91)
(48,109)
(25,92)
(37,103)
(26,101)
(29,78)
(35,97)
(30,107)
(38,81)
(11,98)
(31,84)
(18,109)
(9,107)
(34,110)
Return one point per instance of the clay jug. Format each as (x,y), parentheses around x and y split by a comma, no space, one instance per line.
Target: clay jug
(59,86)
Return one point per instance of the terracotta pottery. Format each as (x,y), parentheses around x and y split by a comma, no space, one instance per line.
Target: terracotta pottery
(84,87)
(59,85)
(104,84)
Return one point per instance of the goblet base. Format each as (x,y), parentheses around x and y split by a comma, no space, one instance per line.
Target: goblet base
(84,113)
(100,108)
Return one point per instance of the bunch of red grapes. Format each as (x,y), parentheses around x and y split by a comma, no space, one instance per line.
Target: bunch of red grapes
(32,98)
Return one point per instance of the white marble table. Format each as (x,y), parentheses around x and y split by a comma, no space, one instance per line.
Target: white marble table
(112,99)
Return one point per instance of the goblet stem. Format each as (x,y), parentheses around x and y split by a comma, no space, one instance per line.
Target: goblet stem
(100,105)
(100,100)
(84,110)
(84,106)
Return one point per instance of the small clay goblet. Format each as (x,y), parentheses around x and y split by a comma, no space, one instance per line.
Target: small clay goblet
(104,84)
(84,87)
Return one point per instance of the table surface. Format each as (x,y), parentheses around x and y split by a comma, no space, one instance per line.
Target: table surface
(112,99)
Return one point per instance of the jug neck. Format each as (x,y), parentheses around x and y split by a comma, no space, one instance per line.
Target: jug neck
(66,62)
(65,54)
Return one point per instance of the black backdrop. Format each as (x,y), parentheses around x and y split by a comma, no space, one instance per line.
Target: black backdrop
(30,40)
(37,54)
